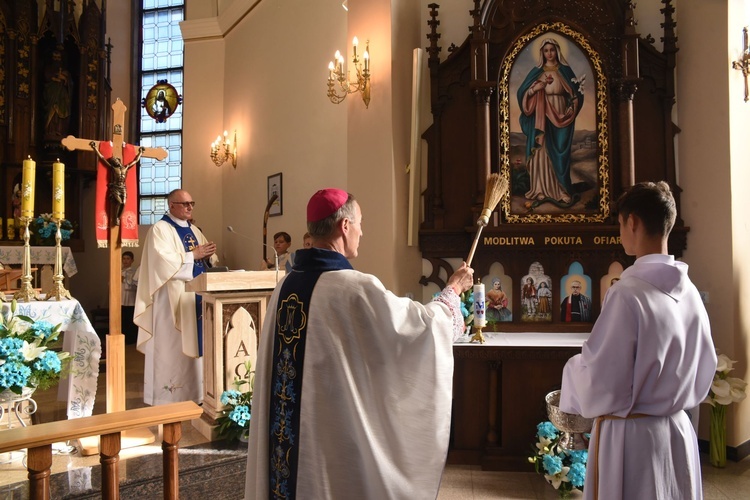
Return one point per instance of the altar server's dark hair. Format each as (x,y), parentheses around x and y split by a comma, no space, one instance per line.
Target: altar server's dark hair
(654,205)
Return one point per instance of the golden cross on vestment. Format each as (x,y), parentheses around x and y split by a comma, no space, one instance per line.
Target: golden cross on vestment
(115,338)
(191,241)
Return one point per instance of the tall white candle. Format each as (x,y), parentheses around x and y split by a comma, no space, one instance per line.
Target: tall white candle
(480,318)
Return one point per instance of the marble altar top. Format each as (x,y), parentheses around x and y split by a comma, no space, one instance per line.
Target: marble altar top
(526,339)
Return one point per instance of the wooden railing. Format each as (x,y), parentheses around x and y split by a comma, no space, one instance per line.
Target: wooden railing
(39,438)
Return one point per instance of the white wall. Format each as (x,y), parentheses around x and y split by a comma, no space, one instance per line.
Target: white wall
(712,156)
(274,87)
(736,344)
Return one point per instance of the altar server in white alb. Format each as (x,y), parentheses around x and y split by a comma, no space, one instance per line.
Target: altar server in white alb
(650,357)
(353,384)
(175,251)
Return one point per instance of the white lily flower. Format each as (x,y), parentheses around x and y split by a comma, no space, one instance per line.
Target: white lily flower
(724,364)
(722,391)
(543,445)
(32,351)
(559,478)
(736,389)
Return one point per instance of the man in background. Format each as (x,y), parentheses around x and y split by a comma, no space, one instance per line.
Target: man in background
(362,409)
(169,334)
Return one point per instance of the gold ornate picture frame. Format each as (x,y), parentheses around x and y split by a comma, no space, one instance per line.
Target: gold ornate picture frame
(554,139)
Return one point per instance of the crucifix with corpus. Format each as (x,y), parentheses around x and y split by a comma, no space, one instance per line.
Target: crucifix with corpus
(110,219)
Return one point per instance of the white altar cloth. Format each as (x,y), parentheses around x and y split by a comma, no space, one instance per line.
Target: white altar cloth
(39,255)
(80,340)
(526,339)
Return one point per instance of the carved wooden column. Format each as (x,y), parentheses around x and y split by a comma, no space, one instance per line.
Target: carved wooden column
(626,88)
(482,92)
(39,465)
(109,456)
(170,445)
(434,196)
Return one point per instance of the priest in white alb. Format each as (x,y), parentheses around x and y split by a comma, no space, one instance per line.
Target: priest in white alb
(169,329)
(649,358)
(353,383)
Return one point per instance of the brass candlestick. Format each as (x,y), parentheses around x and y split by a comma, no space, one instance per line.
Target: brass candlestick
(478,337)
(58,291)
(26,292)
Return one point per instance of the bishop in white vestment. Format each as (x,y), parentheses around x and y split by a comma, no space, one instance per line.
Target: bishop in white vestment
(353,384)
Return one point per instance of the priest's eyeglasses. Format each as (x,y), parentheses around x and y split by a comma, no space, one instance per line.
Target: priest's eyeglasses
(185,204)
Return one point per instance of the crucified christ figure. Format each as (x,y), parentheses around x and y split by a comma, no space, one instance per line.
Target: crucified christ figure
(116,187)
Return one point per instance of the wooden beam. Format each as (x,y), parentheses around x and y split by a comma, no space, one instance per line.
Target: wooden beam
(97,425)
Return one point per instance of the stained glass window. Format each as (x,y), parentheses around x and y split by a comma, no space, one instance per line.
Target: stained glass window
(162,58)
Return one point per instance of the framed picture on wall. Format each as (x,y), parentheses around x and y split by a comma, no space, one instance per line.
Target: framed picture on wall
(274,189)
(553,123)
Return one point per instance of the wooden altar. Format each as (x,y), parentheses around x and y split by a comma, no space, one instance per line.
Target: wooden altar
(613,92)
(234,307)
(498,395)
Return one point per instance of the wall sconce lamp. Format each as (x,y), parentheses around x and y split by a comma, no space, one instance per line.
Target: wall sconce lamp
(338,73)
(743,64)
(222,149)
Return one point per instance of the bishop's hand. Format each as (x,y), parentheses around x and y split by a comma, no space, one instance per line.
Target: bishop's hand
(462,279)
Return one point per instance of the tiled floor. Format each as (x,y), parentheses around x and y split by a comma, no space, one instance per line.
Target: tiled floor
(459,482)
(471,483)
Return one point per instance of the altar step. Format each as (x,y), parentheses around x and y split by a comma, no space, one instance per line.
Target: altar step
(216,470)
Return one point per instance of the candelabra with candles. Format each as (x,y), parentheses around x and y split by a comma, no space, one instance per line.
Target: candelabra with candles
(222,149)
(26,292)
(338,73)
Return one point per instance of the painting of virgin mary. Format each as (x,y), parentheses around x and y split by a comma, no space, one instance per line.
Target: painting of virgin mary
(557,158)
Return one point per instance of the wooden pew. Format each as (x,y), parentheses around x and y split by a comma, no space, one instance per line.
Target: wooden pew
(39,438)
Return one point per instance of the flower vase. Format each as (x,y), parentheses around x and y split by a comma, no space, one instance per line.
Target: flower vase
(718,436)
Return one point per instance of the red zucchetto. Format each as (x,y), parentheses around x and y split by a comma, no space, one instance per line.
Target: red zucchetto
(324,203)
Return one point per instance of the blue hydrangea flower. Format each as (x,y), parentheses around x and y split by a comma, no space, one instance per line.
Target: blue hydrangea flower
(577,474)
(48,362)
(42,329)
(464,310)
(13,373)
(230,397)
(578,456)
(10,348)
(46,231)
(552,464)
(547,430)
(65,234)
(240,415)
